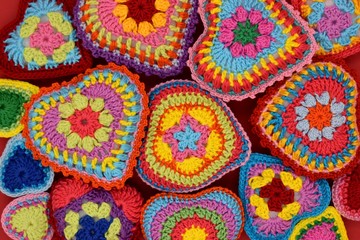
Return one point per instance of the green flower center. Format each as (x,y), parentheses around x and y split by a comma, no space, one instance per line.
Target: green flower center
(246,33)
(11,108)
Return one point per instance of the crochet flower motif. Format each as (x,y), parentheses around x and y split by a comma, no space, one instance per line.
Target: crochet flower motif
(246,33)
(189,138)
(46,39)
(84,122)
(334,22)
(141,16)
(95,224)
(275,195)
(318,118)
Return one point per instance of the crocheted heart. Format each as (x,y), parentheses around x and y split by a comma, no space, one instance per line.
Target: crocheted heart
(215,213)
(192,139)
(335,23)
(346,194)
(41,42)
(327,225)
(90,127)
(311,122)
(151,36)
(81,212)
(20,174)
(275,198)
(248,45)
(13,96)
(27,217)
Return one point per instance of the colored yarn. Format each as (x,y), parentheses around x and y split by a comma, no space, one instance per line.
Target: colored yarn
(247,46)
(336,26)
(90,127)
(91,213)
(192,139)
(346,194)
(42,43)
(215,213)
(327,225)
(311,121)
(275,198)
(20,174)
(13,96)
(27,217)
(152,36)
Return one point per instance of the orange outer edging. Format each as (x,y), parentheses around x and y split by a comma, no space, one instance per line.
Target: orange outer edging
(64,169)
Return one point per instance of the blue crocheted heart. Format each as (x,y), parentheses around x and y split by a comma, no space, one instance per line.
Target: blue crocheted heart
(20,174)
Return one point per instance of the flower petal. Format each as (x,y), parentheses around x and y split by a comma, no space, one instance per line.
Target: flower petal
(255,16)
(337,121)
(301,112)
(226,37)
(121,11)
(102,134)
(145,28)
(104,210)
(337,108)
(266,27)
(241,14)
(229,23)
(63,127)
(66,110)
(159,19)
(129,25)
(105,118)
(303,126)
(323,98)
(237,50)
(314,134)
(90,209)
(88,143)
(263,42)
(328,132)
(79,101)
(162,5)
(250,50)
(309,101)
(97,104)
(73,140)
(114,229)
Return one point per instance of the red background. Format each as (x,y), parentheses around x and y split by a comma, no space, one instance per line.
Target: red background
(242,110)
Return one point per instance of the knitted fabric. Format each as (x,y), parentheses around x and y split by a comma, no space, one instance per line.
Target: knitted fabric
(90,127)
(275,198)
(248,45)
(41,43)
(192,139)
(27,218)
(13,96)
(311,122)
(151,36)
(20,174)
(328,225)
(215,213)
(346,194)
(336,24)
(81,212)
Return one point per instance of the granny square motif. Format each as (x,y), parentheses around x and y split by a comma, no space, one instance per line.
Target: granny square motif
(336,24)
(248,45)
(27,218)
(192,139)
(42,43)
(215,213)
(328,225)
(90,127)
(275,198)
(83,213)
(13,95)
(151,36)
(346,194)
(311,122)
(20,173)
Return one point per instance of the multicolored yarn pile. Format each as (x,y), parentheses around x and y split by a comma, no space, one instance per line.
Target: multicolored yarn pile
(146,113)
